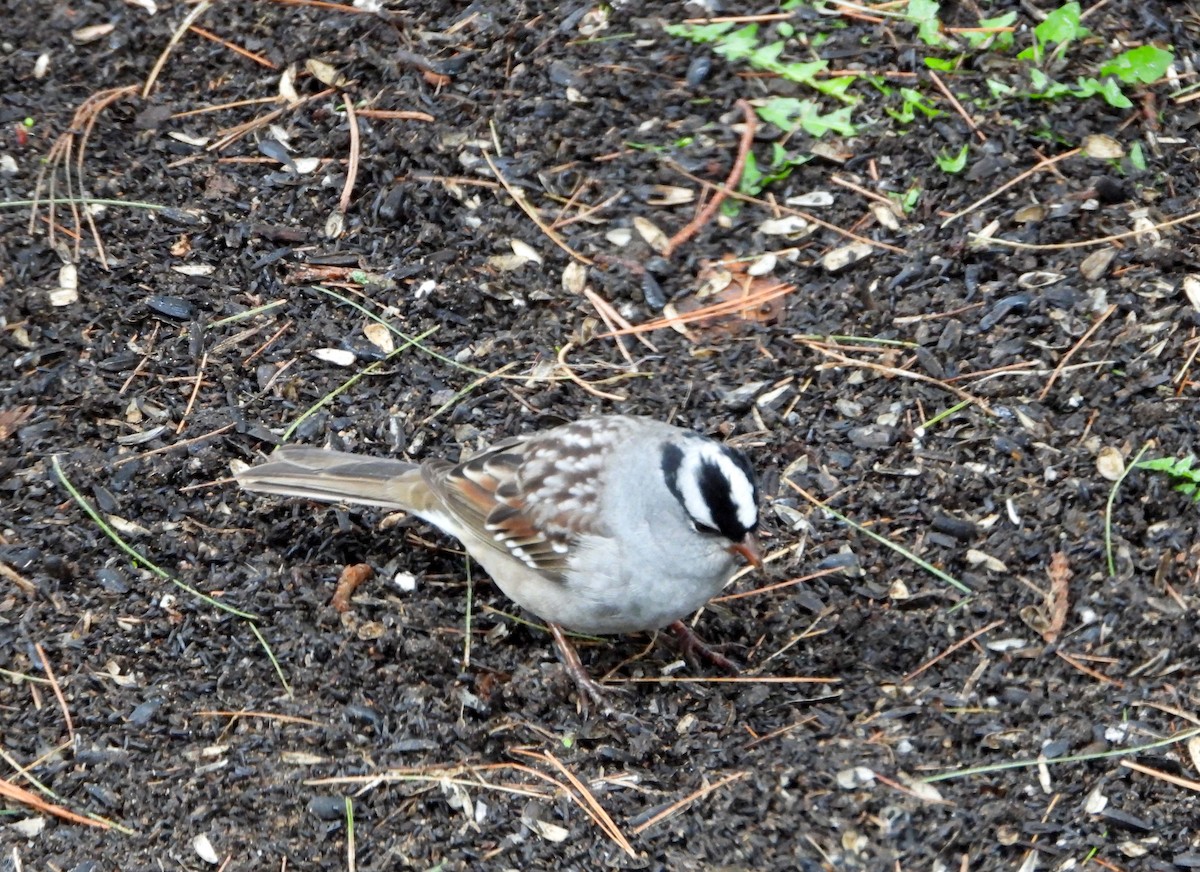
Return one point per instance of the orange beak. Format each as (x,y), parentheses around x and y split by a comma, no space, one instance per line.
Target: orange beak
(747,549)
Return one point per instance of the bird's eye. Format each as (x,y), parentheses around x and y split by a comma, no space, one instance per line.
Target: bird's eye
(705,529)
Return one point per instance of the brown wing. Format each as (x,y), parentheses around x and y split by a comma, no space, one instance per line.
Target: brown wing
(523,499)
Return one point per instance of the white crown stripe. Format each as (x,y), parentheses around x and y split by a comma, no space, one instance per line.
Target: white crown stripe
(741,491)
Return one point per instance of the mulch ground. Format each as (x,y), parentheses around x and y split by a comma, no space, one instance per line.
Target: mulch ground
(972,403)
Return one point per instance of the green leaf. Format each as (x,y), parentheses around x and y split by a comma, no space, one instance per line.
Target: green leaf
(802,72)
(1187,479)
(1113,94)
(740,44)
(1136,158)
(781,110)
(1145,64)
(700,33)
(998,89)
(1001,41)
(1109,89)
(950,163)
(751,181)
(944,64)
(1045,88)
(754,179)
(923,13)
(879,85)
(837,88)
(788,113)
(1061,25)
(922,10)
(837,121)
(908,200)
(766,56)
(913,101)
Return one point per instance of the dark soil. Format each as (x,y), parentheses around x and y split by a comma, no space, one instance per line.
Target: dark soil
(806,775)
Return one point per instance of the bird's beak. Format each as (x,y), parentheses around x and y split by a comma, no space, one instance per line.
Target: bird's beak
(747,549)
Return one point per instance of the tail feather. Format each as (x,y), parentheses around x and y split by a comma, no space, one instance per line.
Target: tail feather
(335,476)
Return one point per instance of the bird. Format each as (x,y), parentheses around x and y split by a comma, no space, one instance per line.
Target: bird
(605,525)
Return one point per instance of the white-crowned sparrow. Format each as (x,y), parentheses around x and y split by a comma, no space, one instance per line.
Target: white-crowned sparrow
(611,524)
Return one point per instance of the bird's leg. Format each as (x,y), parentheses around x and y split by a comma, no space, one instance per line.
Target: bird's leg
(693,646)
(588,686)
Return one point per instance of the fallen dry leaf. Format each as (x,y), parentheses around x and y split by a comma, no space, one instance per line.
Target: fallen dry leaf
(1058,601)
(724,285)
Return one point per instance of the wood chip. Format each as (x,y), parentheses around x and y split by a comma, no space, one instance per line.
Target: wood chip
(10,419)
(885,215)
(287,86)
(765,265)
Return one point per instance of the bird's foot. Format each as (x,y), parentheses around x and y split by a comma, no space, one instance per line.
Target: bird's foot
(693,648)
(589,689)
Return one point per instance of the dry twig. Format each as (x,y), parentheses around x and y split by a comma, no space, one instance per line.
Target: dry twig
(519,199)
(1162,776)
(20,794)
(903,373)
(957,106)
(352,169)
(236,49)
(188,20)
(59,158)
(566,370)
(735,174)
(584,799)
(787,210)
(1085,243)
(195,392)
(728,307)
(960,643)
(676,807)
(1112,307)
(58,694)
(1046,163)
